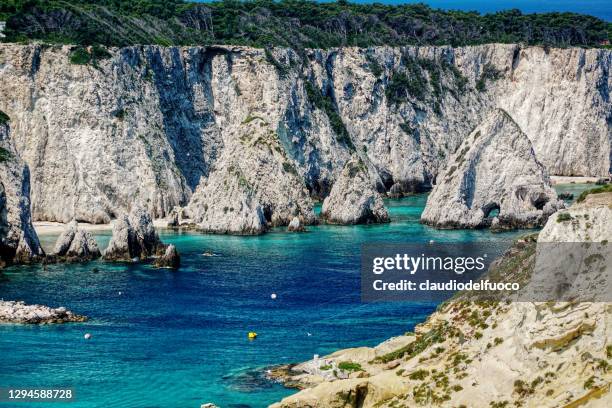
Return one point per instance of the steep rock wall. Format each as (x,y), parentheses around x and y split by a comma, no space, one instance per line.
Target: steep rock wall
(147,124)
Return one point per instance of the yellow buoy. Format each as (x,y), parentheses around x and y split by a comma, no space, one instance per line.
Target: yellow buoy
(252,335)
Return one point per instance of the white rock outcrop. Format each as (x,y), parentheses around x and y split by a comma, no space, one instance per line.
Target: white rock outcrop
(353,198)
(76,244)
(149,123)
(19,312)
(134,237)
(495,169)
(18,240)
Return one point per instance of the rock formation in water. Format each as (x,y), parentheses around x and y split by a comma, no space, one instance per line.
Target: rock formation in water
(18,240)
(482,353)
(75,244)
(19,312)
(134,237)
(495,169)
(170,258)
(296,225)
(353,198)
(150,123)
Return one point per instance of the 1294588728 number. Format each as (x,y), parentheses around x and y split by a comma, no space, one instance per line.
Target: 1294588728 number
(16,394)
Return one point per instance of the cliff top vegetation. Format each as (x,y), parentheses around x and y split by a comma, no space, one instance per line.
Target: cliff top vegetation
(287,23)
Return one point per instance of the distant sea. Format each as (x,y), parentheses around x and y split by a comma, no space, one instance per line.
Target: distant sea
(597,8)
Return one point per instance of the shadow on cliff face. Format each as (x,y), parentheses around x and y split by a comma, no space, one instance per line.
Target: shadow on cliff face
(189,123)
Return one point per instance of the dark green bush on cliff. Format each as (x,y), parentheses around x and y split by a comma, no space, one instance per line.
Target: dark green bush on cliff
(4,118)
(287,23)
(326,104)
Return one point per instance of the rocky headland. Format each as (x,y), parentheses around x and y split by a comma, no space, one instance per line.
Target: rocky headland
(494,179)
(21,313)
(477,353)
(353,198)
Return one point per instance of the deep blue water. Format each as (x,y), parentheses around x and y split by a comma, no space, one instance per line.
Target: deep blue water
(178,339)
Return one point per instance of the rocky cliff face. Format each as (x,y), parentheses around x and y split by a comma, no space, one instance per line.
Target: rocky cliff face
(494,169)
(483,353)
(150,123)
(18,240)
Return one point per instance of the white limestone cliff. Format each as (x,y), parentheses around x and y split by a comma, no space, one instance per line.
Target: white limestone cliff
(149,124)
(18,239)
(495,168)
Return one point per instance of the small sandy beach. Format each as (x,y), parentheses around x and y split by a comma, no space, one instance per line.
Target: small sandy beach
(574,179)
(54,228)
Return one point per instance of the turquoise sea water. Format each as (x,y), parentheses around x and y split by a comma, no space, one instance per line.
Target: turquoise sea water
(178,339)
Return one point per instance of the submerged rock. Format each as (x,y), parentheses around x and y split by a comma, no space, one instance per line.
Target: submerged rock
(18,240)
(494,170)
(170,258)
(75,244)
(353,198)
(296,225)
(19,312)
(134,237)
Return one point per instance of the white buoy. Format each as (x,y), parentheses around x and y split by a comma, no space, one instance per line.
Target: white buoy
(87,336)
(431,241)
(120,293)
(273,296)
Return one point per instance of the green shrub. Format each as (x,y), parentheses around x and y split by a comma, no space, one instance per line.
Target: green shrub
(80,56)
(603,189)
(5,155)
(564,216)
(418,375)
(4,118)
(326,104)
(350,366)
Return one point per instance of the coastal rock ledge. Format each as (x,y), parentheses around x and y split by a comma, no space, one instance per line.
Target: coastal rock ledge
(353,198)
(19,312)
(493,180)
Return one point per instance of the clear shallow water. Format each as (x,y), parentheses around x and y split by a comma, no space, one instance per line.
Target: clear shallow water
(178,339)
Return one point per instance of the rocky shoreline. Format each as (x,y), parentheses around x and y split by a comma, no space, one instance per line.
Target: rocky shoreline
(478,353)
(21,313)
